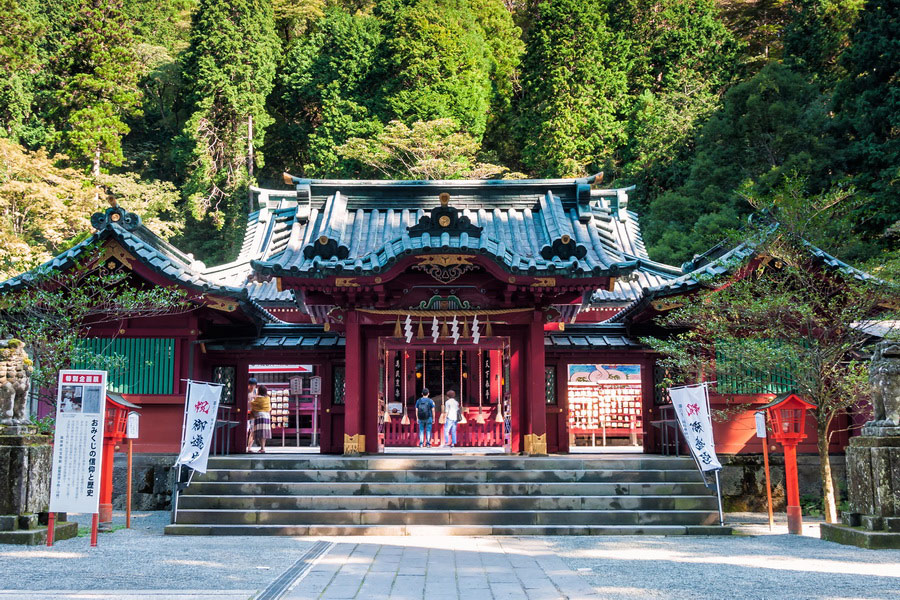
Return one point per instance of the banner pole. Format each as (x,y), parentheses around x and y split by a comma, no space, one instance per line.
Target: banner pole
(175,492)
(719,495)
(765,445)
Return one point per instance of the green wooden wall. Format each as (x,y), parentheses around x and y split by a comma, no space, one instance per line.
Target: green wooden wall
(149,366)
(752,381)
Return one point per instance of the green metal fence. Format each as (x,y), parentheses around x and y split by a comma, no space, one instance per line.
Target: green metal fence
(149,366)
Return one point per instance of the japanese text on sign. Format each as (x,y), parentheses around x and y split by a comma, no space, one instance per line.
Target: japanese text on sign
(201,407)
(78,442)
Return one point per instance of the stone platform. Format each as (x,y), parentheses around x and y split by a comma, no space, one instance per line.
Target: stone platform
(873,521)
(30,530)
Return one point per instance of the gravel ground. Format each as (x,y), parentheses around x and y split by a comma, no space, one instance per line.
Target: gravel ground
(142,558)
(739,567)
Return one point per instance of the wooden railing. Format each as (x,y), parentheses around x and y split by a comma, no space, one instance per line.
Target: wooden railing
(469,434)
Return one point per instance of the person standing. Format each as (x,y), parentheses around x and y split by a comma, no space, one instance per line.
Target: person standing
(425,418)
(262,420)
(251,396)
(451,418)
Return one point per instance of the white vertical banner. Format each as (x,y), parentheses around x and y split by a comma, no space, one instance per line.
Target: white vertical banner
(78,442)
(691,405)
(201,408)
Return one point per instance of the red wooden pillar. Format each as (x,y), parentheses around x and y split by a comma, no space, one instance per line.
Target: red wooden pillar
(354,438)
(106,485)
(794,515)
(536,438)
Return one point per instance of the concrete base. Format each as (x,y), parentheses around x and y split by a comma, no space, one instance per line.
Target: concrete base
(857,536)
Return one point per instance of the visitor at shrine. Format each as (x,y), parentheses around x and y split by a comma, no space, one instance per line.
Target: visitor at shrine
(425,418)
(262,421)
(451,418)
(251,395)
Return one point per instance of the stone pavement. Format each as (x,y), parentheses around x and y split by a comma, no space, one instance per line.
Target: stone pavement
(452,568)
(143,564)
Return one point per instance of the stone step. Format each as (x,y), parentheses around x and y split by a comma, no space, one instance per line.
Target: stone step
(450,476)
(448,503)
(433,517)
(447,530)
(444,489)
(416,462)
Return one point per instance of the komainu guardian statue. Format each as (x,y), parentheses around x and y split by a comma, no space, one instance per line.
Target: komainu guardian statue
(15,368)
(884,374)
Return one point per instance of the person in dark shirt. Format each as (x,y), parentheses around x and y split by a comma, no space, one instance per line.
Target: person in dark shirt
(425,418)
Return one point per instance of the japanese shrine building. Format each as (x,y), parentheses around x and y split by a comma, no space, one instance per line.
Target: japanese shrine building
(524,297)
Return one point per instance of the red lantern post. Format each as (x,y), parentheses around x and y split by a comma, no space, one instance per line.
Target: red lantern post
(788,415)
(117,409)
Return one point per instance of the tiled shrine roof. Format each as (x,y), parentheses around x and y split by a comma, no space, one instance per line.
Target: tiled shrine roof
(707,269)
(532,227)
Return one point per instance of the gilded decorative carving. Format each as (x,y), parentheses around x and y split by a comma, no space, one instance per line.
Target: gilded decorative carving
(544,282)
(444,218)
(535,444)
(223,304)
(664,305)
(345,282)
(113,249)
(445,268)
(354,444)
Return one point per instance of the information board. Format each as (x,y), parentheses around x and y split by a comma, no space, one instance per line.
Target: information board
(78,441)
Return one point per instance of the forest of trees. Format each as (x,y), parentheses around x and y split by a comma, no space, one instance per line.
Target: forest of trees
(175,107)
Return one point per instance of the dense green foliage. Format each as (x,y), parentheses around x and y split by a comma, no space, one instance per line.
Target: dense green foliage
(696,102)
(229,70)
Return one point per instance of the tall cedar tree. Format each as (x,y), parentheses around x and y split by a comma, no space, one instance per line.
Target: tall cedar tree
(681,58)
(229,69)
(324,93)
(100,83)
(574,83)
(867,107)
(18,61)
(439,62)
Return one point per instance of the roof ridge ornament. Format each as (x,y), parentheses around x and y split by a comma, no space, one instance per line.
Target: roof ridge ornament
(115,215)
(444,219)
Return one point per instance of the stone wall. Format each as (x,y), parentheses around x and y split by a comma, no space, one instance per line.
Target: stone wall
(151,484)
(743,480)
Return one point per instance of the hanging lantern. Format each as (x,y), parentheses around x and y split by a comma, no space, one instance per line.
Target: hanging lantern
(398,331)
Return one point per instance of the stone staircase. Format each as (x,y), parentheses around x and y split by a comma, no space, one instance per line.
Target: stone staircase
(444,495)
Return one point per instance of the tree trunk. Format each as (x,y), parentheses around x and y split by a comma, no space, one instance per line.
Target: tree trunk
(95,168)
(828,490)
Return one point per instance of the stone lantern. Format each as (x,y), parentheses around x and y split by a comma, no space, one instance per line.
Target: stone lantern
(787,413)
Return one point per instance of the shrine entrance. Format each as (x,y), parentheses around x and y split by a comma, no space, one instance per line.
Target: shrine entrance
(478,375)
